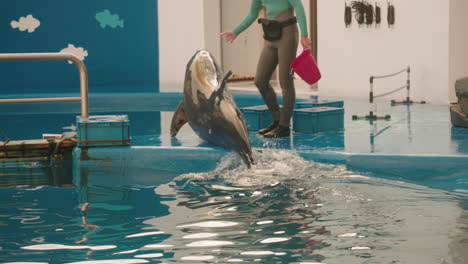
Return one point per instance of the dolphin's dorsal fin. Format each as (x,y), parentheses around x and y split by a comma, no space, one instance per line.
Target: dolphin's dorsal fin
(222,84)
(178,119)
(220,90)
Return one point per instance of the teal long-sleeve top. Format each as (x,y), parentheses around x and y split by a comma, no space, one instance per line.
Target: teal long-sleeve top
(273,8)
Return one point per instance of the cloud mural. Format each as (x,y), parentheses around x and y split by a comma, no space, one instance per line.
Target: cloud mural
(77,51)
(28,23)
(105,18)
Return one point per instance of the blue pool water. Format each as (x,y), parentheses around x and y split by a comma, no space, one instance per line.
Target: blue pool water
(324,198)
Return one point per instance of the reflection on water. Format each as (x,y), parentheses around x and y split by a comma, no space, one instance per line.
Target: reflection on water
(284,210)
(35,173)
(266,224)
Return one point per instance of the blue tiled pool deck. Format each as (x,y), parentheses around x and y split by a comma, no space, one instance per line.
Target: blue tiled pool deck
(417,142)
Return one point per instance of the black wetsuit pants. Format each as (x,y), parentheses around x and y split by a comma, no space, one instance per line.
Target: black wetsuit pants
(279,52)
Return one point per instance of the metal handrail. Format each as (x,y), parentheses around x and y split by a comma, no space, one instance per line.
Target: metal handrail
(371,83)
(372,78)
(391,75)
(53,56)
(392,91)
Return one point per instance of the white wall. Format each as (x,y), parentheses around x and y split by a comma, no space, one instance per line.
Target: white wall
(348,56)
(212,19)
(425,37)
(458,44)
(242,54)
(185,26)
(181,33)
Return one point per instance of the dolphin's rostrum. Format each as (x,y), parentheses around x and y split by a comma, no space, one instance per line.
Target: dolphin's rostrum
(210,109)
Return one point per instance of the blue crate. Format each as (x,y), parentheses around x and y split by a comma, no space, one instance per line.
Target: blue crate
(101,131)
(318,119)
(319,103)
(257,117)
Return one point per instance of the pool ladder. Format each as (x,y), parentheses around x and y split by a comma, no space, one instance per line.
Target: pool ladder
(53,56)
(27,149)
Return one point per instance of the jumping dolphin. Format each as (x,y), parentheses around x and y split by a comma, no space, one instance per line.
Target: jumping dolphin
(210,109)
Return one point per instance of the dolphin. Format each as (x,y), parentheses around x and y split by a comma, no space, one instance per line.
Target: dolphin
(209,108)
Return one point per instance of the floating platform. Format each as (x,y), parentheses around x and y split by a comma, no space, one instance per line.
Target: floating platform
(35,148)
(95,131)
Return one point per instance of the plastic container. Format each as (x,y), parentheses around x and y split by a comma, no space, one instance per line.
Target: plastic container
(306,67)
(257,117)
(100,131)
(318,119)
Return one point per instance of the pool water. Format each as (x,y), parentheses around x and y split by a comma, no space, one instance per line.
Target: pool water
(286,209)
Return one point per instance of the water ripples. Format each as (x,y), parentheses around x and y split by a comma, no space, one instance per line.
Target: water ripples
(284,210)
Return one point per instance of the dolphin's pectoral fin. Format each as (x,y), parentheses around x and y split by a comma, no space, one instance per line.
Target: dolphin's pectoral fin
(178,119)
(222,85)
(220,90)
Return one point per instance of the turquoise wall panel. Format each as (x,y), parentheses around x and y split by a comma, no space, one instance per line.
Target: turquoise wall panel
(118,40)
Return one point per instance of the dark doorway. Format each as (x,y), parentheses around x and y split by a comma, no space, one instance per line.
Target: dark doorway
(313,27)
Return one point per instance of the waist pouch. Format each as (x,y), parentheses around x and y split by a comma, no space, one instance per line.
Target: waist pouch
(272,29)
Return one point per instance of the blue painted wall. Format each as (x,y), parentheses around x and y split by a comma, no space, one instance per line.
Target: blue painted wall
(122,51)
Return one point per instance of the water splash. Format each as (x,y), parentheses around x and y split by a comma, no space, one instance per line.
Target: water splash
(272,166)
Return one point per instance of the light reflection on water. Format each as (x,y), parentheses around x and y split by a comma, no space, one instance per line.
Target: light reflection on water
(284,210)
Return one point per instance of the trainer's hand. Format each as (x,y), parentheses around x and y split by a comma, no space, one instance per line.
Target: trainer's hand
(229,36)
(305,42)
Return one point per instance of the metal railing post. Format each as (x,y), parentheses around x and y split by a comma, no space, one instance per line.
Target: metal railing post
(371,97)
(408,83)
(53,56)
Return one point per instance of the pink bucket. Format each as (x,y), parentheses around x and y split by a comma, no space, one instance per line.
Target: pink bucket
(306,67)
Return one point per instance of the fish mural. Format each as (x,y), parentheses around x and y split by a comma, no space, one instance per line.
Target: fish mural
(105,18)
